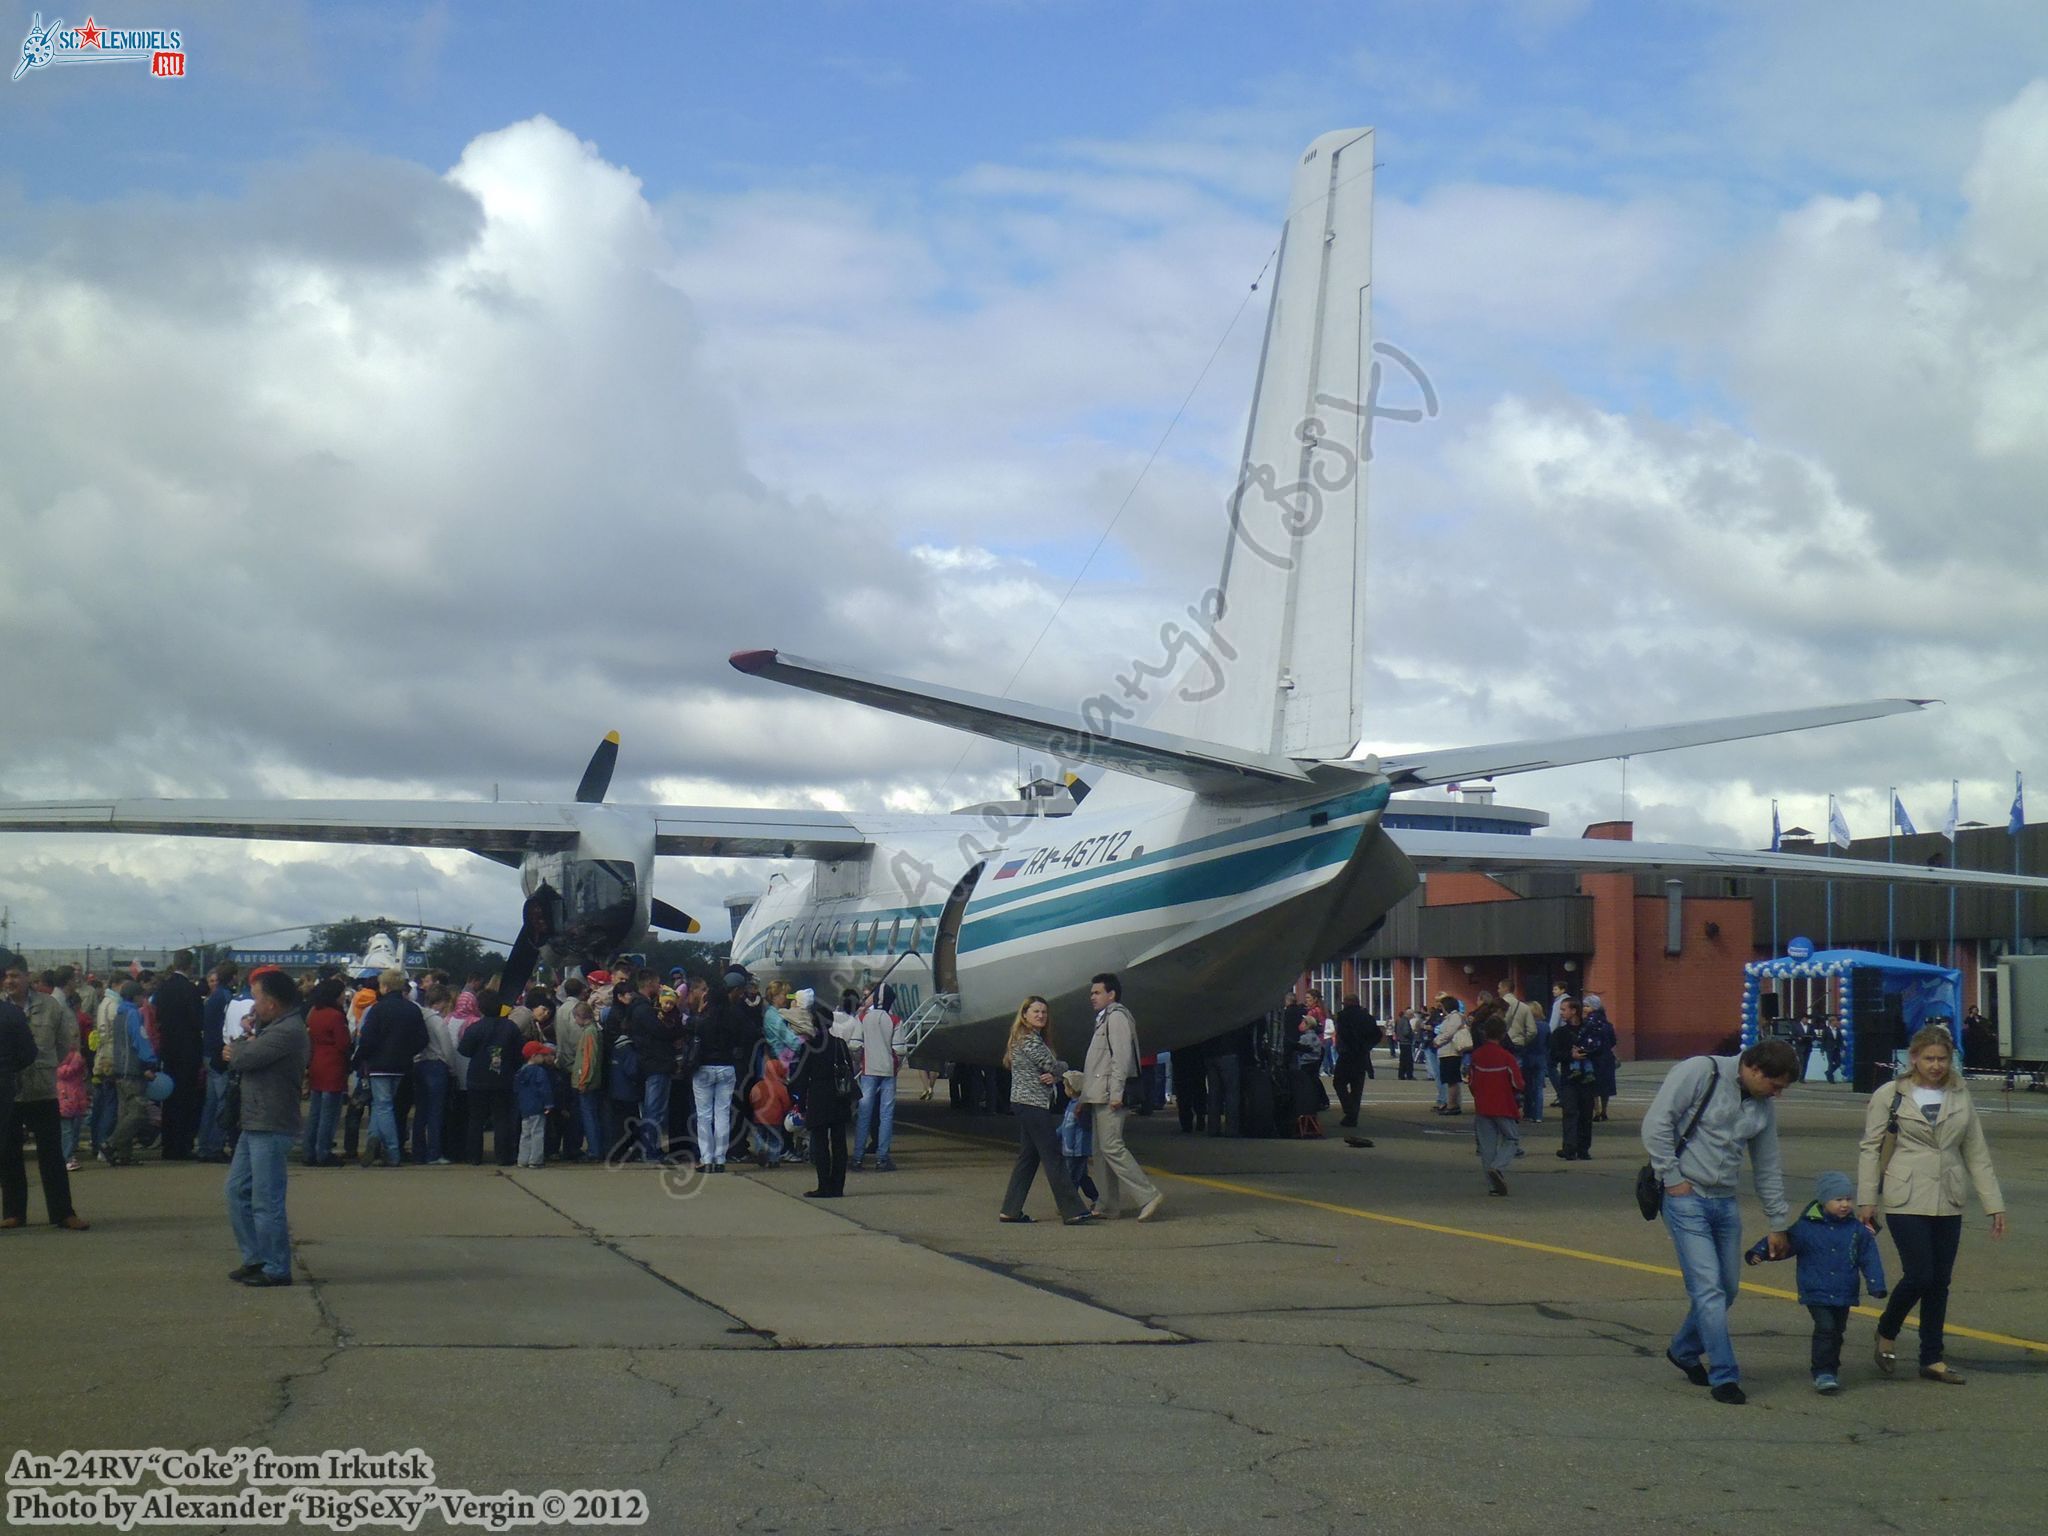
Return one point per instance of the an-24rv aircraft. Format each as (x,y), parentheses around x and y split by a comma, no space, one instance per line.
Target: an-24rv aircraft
(1232,838)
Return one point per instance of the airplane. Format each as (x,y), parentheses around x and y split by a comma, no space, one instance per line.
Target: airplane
(1208,854)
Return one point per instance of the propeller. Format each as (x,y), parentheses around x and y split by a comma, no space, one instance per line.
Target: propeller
(675,919)
(597,778)
(536,927)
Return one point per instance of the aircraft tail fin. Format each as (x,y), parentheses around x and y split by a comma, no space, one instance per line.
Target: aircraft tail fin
(1286,659)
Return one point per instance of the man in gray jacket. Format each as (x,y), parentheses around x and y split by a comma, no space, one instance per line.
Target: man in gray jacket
(270,1064)
(1111,1064)
(54,1028)
(1716,1106)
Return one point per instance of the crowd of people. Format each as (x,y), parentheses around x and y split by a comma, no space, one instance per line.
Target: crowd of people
(404,1069)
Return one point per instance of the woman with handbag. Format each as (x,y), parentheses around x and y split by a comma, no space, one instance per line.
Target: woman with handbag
(1034,1070)
(1921,1138)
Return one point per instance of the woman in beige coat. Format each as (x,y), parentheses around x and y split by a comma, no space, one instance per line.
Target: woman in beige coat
(1936,1138)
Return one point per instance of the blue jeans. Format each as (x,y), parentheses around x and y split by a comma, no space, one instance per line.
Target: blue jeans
(106,1109)
(877,1097)
(591,1106)
(323,1113)
(1535,1067)
(211,1141)
(1707,1233)
(654,1115)
(67,1135)
(429,1109)
(713,1087)
(383,1116)
(255,1191)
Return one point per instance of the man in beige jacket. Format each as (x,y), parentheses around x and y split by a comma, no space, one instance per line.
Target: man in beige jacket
(1112,1064)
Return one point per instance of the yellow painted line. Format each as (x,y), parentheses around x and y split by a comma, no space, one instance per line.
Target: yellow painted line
(1583,1255)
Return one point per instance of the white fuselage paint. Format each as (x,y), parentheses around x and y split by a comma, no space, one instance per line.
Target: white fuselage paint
(1205,909)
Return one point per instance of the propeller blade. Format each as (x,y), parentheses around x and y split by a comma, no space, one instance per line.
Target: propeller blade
(536,927)
(597,778)
(674,919)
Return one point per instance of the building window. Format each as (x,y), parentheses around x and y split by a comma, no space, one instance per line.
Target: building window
(1376,987)
(1329,983)
(1418,984)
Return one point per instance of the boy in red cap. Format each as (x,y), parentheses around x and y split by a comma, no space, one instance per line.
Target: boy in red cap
(533,1088)
(1496,1105)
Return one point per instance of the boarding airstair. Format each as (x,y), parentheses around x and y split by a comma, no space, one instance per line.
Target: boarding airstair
(936,1012)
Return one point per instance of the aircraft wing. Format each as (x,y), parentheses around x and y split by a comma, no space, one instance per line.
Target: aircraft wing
(708,832)
(486,827)
(1453,764)
(1501,853)
(1157,755)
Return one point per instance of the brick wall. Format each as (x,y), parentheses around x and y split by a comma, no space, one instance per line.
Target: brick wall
(1685,1003)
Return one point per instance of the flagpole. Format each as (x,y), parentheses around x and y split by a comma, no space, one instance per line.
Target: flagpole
(1774,882)
(1954,796)
(1891,941)
(1831,884)
(2019,825)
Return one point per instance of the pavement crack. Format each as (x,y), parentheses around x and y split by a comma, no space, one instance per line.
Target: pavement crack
(1401,1378)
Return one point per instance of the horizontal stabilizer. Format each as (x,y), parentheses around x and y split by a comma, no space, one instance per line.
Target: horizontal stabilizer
(1501,853)
(1458,763)
(1156,755)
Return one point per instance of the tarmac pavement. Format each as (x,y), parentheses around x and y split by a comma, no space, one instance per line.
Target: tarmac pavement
(1312,1337)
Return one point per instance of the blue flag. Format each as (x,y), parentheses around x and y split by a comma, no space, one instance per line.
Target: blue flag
(1776,837)
(1899,816)
(2019,808)
(1838,825)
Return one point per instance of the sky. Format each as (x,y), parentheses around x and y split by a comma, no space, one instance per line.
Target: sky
(410,394)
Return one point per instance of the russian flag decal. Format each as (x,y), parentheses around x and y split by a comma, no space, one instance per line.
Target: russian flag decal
(1009,869)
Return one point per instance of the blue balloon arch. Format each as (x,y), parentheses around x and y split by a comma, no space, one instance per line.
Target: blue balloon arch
(1927,993)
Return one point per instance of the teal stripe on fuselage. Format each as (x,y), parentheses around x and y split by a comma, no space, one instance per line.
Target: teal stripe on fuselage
(986,900)
(1372,799)
(1231,875)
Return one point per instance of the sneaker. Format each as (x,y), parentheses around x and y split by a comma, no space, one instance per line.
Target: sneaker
(261,1281)
(885,1166)
(1151,1207)
(858,1165)
(373,1151)
(1085,1219)
(244,1273)
(1495,1183)
(1827,1383)
(1729,1393)
(1694,1371)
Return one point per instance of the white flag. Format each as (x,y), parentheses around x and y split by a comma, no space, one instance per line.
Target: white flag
(1948,828)
(1838,828)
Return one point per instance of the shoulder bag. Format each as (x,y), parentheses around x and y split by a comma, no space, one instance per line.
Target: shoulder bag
(1650,1188)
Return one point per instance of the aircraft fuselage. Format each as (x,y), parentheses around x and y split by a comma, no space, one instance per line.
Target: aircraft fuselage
(1205,909)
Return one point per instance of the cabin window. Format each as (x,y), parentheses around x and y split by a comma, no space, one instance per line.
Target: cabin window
(895,933)
(874,931)
(835,943)
(917,937)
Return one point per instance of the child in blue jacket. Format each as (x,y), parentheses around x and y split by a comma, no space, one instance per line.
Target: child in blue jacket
(1077,1142)
(533,1087)
(1832,1246)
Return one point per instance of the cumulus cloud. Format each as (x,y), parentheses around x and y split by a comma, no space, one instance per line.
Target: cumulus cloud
(426,481)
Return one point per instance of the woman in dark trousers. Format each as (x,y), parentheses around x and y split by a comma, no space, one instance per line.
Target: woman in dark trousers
(1033,1072)
(492,1045)
(1922,1143)
(822,1063)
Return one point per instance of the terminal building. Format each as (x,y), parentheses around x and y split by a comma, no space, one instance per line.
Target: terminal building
(1666,955)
